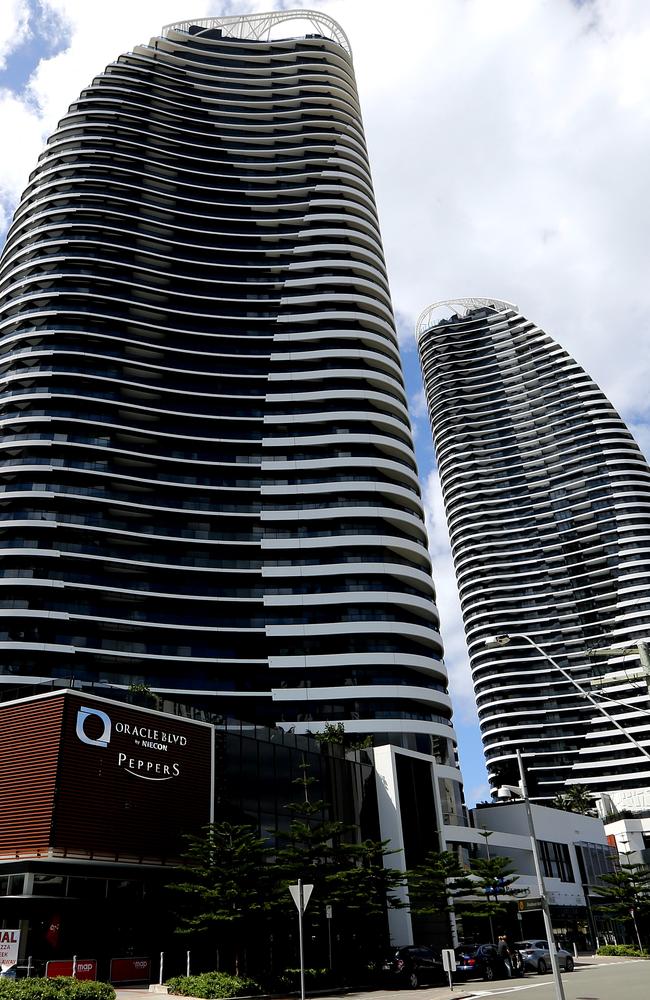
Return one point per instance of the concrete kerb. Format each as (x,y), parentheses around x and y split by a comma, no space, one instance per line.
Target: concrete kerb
(432,993)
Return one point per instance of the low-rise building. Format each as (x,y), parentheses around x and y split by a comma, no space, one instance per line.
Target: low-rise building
(574,853)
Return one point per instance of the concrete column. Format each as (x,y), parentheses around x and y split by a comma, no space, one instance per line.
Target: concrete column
(390,828)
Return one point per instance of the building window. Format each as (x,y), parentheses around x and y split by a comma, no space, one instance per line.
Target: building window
(556,861)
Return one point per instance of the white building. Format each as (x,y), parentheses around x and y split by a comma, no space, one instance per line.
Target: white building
(632,838)
(574,852)
(201,369)
(547,497)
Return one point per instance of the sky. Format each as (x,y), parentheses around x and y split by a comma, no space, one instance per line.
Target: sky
(510,144)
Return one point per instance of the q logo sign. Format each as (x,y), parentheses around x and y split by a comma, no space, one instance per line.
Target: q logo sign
(100,741)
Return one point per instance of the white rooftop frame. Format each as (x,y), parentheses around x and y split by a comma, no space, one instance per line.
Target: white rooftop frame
(460,307)
(258,27)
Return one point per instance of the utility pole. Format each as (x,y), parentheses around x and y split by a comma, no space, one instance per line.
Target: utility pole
(557,979)
(486,834)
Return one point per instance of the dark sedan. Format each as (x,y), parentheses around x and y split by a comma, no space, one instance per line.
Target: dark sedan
(479,961)
(412,965)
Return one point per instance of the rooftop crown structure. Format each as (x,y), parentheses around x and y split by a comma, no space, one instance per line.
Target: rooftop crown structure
(208,483)
(548,502)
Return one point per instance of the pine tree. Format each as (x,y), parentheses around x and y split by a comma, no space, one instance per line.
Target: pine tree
(436,883)
(347,875)
(626,895)
(228,885)
(493,882)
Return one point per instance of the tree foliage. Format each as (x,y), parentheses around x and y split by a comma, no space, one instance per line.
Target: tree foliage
(234,879)
(434,884)
(576,799)
(226,877)
(366,885)
(347,874)
(625,894)
(493,882)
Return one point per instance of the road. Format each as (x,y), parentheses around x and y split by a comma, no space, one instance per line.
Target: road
(604,979)
(624,980)
(607,979)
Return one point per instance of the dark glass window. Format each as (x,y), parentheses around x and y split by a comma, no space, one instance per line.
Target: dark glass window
(415,785)
(556,861)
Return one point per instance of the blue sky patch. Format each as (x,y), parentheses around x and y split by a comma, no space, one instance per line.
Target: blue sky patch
(48,34)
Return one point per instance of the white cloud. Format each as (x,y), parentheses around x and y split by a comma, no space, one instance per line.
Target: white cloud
(96,36)
(14,27)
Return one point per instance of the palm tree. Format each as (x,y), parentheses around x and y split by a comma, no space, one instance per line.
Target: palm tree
(576,799)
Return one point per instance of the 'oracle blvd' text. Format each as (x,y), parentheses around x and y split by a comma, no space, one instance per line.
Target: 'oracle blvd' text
(143,737)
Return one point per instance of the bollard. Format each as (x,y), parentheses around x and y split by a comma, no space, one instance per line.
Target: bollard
(162,962)
(188,963)
(29,966)
(575,950)
(74,966)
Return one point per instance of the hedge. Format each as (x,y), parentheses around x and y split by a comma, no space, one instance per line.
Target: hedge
(211,985)
(61,988)
(624,950)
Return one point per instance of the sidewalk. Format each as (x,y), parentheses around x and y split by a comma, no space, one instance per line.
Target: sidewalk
(461,991)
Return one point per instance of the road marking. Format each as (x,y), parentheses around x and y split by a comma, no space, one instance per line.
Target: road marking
(509,989)
(544,980)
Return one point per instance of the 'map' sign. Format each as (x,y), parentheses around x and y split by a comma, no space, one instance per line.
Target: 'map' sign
(9,942)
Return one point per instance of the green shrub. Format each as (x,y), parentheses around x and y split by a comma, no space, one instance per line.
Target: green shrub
(624,950)
(315,978)
(61,988)
(209,985)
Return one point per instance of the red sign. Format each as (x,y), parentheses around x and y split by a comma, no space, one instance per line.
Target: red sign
(86,968)
(130,970)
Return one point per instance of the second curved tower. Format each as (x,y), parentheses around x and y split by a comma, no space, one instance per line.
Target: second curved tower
(547,497)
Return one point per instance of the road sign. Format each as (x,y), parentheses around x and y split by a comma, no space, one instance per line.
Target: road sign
(449,964)
(328,911)
(529,904)
(448,960)
(295,895)
(300,894)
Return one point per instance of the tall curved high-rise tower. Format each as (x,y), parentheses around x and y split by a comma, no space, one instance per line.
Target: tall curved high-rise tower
(548,502)
(208,482)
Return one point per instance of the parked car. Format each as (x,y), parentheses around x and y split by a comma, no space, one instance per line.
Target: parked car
(537,957)
(479,961)
(412,965)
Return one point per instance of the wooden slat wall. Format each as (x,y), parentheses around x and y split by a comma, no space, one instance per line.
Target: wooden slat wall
(103,812)
(30,736)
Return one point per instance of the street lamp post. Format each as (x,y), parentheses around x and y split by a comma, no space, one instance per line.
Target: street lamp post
(546,911)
